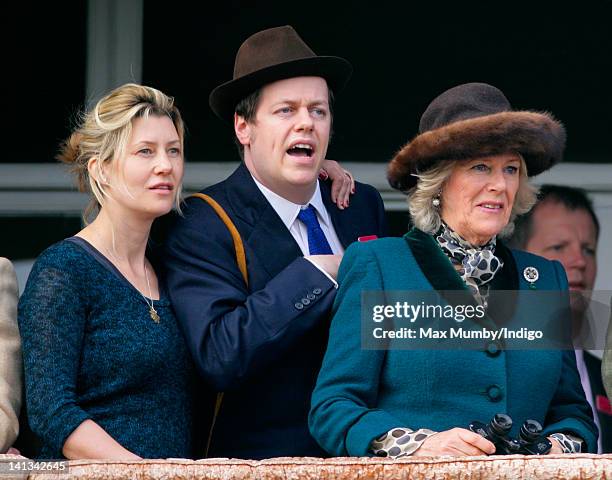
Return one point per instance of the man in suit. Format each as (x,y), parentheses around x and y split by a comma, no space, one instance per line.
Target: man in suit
(563,226)
(10,357)
(262,342)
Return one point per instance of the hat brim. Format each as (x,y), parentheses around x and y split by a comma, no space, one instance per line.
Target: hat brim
(538,137)
(224,98)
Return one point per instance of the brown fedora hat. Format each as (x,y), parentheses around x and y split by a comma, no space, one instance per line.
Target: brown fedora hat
(271,55)
(476,120)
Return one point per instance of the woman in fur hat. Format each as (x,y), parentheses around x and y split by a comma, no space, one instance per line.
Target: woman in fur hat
(466,176)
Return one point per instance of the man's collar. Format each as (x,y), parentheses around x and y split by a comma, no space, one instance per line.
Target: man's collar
(288,211)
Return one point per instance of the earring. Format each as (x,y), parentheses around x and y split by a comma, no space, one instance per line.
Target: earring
(436,201)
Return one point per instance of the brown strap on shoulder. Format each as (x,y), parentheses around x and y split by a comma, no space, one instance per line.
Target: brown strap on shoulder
(241,261)
(238,246)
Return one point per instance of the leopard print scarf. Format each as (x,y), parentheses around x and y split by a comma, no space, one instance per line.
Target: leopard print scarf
(476,265)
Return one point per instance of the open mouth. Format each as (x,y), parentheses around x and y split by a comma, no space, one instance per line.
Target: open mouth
(491,206)
(301,150)
(164,186)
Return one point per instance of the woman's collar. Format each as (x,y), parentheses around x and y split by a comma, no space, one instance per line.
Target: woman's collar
(442,276)
(434,264)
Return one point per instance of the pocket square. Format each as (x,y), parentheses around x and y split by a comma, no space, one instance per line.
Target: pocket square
(603,404)
(367,238)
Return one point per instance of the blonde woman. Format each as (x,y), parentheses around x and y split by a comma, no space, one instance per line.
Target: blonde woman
(106,370)
(466,175)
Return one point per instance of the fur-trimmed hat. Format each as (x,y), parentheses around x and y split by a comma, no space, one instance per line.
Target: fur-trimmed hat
(270,55)
(476,120)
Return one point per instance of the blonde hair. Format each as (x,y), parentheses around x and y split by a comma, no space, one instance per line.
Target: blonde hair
(430,184)
(103,133)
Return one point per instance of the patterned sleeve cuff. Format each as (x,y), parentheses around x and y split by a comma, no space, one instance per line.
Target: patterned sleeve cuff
(399,442)
(569,443)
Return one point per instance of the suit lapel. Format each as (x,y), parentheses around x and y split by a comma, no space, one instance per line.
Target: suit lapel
(344,224)
(266,234)
(272,243)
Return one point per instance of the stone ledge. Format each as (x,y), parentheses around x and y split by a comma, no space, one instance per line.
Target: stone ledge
(579,466)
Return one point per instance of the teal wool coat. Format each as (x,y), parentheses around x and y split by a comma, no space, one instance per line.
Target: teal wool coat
(361,394)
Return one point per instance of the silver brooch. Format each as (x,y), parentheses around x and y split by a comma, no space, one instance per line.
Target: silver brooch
(531,274)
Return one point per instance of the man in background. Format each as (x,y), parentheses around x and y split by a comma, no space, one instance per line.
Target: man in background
(563,226)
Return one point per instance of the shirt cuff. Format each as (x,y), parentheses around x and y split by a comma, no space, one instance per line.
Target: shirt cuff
(323,272)
(569,443)
(399,442)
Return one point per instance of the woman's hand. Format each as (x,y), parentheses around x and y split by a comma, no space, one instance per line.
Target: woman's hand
(456,442)
(556,446)
(90,440)
(343,184)
(329,263)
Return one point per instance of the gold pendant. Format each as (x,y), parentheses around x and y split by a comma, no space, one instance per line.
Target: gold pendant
(154,315)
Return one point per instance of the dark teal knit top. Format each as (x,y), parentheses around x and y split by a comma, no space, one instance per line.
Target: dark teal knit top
(92,351)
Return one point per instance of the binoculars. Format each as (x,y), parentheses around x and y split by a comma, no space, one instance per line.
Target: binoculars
(497,431)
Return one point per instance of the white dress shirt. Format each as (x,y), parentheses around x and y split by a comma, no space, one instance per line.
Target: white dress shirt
(588,392)
(288,212)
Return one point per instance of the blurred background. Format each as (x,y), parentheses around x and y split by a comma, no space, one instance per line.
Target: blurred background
(61,57)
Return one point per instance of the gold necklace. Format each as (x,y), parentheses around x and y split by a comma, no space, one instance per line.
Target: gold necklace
(152,311)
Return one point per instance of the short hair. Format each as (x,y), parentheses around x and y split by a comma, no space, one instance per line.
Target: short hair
(104,132)
(247,109)
(430,183)
(571,198)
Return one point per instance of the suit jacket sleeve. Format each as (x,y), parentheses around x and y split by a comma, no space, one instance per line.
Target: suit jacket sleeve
(343,417)
(569,411)
(233,332)
(10,357)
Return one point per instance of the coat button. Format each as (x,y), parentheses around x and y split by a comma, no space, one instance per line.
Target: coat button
(494,392)
(317,291)
(493,349)
(305,301)
(310,296)
(299,305)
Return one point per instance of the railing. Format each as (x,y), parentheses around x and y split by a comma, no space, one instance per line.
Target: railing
(580,466)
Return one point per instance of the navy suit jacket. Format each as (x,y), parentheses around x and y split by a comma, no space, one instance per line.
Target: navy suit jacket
(262,344)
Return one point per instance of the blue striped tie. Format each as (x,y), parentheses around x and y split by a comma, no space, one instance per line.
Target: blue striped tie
(317,243)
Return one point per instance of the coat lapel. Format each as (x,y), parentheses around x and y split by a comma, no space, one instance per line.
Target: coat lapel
(432,261)
(504,287)
(272,243)
(344,224)
(265,233)
(441,274)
